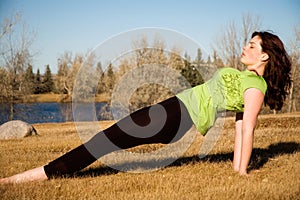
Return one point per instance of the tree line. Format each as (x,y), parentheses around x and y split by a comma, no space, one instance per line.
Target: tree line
(18,81)
(36,83)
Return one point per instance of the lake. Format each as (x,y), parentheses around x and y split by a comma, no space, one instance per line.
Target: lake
(47,112)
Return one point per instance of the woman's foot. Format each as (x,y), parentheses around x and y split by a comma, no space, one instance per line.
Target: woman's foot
(35,174)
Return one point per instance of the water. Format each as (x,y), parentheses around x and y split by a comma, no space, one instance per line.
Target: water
(44,112)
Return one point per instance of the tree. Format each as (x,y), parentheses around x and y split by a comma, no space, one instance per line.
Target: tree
(217,60)
(191,74)
(109,79)
(293,99)
(175,60)
(208,60)
(231,41)
(63,73)
(29,80)
(145,67)
(48,81)
(60,77)
(38,87)
(67,71)
(4,96)
(15,55)
(100,74)
(198,60)
(86,79)
(250,24)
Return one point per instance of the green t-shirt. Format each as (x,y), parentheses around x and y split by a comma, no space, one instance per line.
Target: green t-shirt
(224,91)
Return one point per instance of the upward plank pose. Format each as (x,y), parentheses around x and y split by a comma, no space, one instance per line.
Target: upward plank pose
(265,80)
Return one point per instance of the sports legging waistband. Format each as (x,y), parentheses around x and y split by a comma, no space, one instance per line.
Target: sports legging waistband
(140,127)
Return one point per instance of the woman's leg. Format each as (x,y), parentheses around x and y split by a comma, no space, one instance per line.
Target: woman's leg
(144,126)
(125,134)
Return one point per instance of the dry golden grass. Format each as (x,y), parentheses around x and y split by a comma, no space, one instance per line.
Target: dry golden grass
(51,97)
(274,168)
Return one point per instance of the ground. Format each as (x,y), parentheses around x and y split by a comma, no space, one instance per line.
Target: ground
(274,168)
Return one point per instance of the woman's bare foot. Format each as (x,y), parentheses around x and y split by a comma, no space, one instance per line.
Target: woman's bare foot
(35,174)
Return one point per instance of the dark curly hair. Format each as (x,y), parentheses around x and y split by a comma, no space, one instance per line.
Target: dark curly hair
(277,70)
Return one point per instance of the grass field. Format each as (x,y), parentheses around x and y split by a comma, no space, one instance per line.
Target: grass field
(51,97)
(274,168)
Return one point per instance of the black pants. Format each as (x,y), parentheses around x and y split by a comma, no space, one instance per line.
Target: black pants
(145,126)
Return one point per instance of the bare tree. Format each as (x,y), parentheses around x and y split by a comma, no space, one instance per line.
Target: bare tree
(294,100)
(86,79)
(250,24)
(175,60)
(67,71)
(15,55)
(63,73)
(142,63)
(229,45)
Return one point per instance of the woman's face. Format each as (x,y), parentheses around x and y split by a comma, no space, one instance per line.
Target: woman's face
(252,52)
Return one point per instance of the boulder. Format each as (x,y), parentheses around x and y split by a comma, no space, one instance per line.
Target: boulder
(16,129)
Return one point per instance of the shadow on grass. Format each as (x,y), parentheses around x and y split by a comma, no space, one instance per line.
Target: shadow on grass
(260,156)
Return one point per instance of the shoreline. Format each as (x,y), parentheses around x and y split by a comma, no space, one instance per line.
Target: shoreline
(56,98)
(261,116)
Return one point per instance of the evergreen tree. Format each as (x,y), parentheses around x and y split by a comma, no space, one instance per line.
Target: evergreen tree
(198,59)
(48,81)
(191,74)
(215,57)
(38,83)
(110,79)
(29,80)
(100,75)
(187,58)
(217,61)
(208,60)
(175,61)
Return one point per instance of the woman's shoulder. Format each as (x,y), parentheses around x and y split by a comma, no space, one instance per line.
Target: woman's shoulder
(246,78)
(251,80)
(225,70)
(246,74)
(228,74)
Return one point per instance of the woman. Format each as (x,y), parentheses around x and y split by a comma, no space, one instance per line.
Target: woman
(266,80)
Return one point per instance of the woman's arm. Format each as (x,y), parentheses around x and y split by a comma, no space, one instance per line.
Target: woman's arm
(237,141)
(253,100)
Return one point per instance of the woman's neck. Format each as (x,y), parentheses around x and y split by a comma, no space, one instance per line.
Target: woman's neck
(257,69)
(253,70)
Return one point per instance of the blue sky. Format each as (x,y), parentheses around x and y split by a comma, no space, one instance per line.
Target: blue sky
(78,26)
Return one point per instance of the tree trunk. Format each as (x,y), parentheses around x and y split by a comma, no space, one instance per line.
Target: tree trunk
(11,110)
(291,99)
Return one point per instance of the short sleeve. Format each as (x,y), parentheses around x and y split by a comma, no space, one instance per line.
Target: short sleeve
(253,81)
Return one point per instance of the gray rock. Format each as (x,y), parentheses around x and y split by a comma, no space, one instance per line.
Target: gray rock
(16,129)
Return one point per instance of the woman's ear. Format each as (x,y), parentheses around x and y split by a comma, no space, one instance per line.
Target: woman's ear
(264,57)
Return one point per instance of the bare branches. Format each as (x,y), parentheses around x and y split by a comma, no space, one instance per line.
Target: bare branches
(15,57)
(294,47)
(250,24)
(8,25)
(230,43)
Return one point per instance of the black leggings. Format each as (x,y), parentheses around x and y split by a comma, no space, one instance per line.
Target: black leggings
(136,129)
